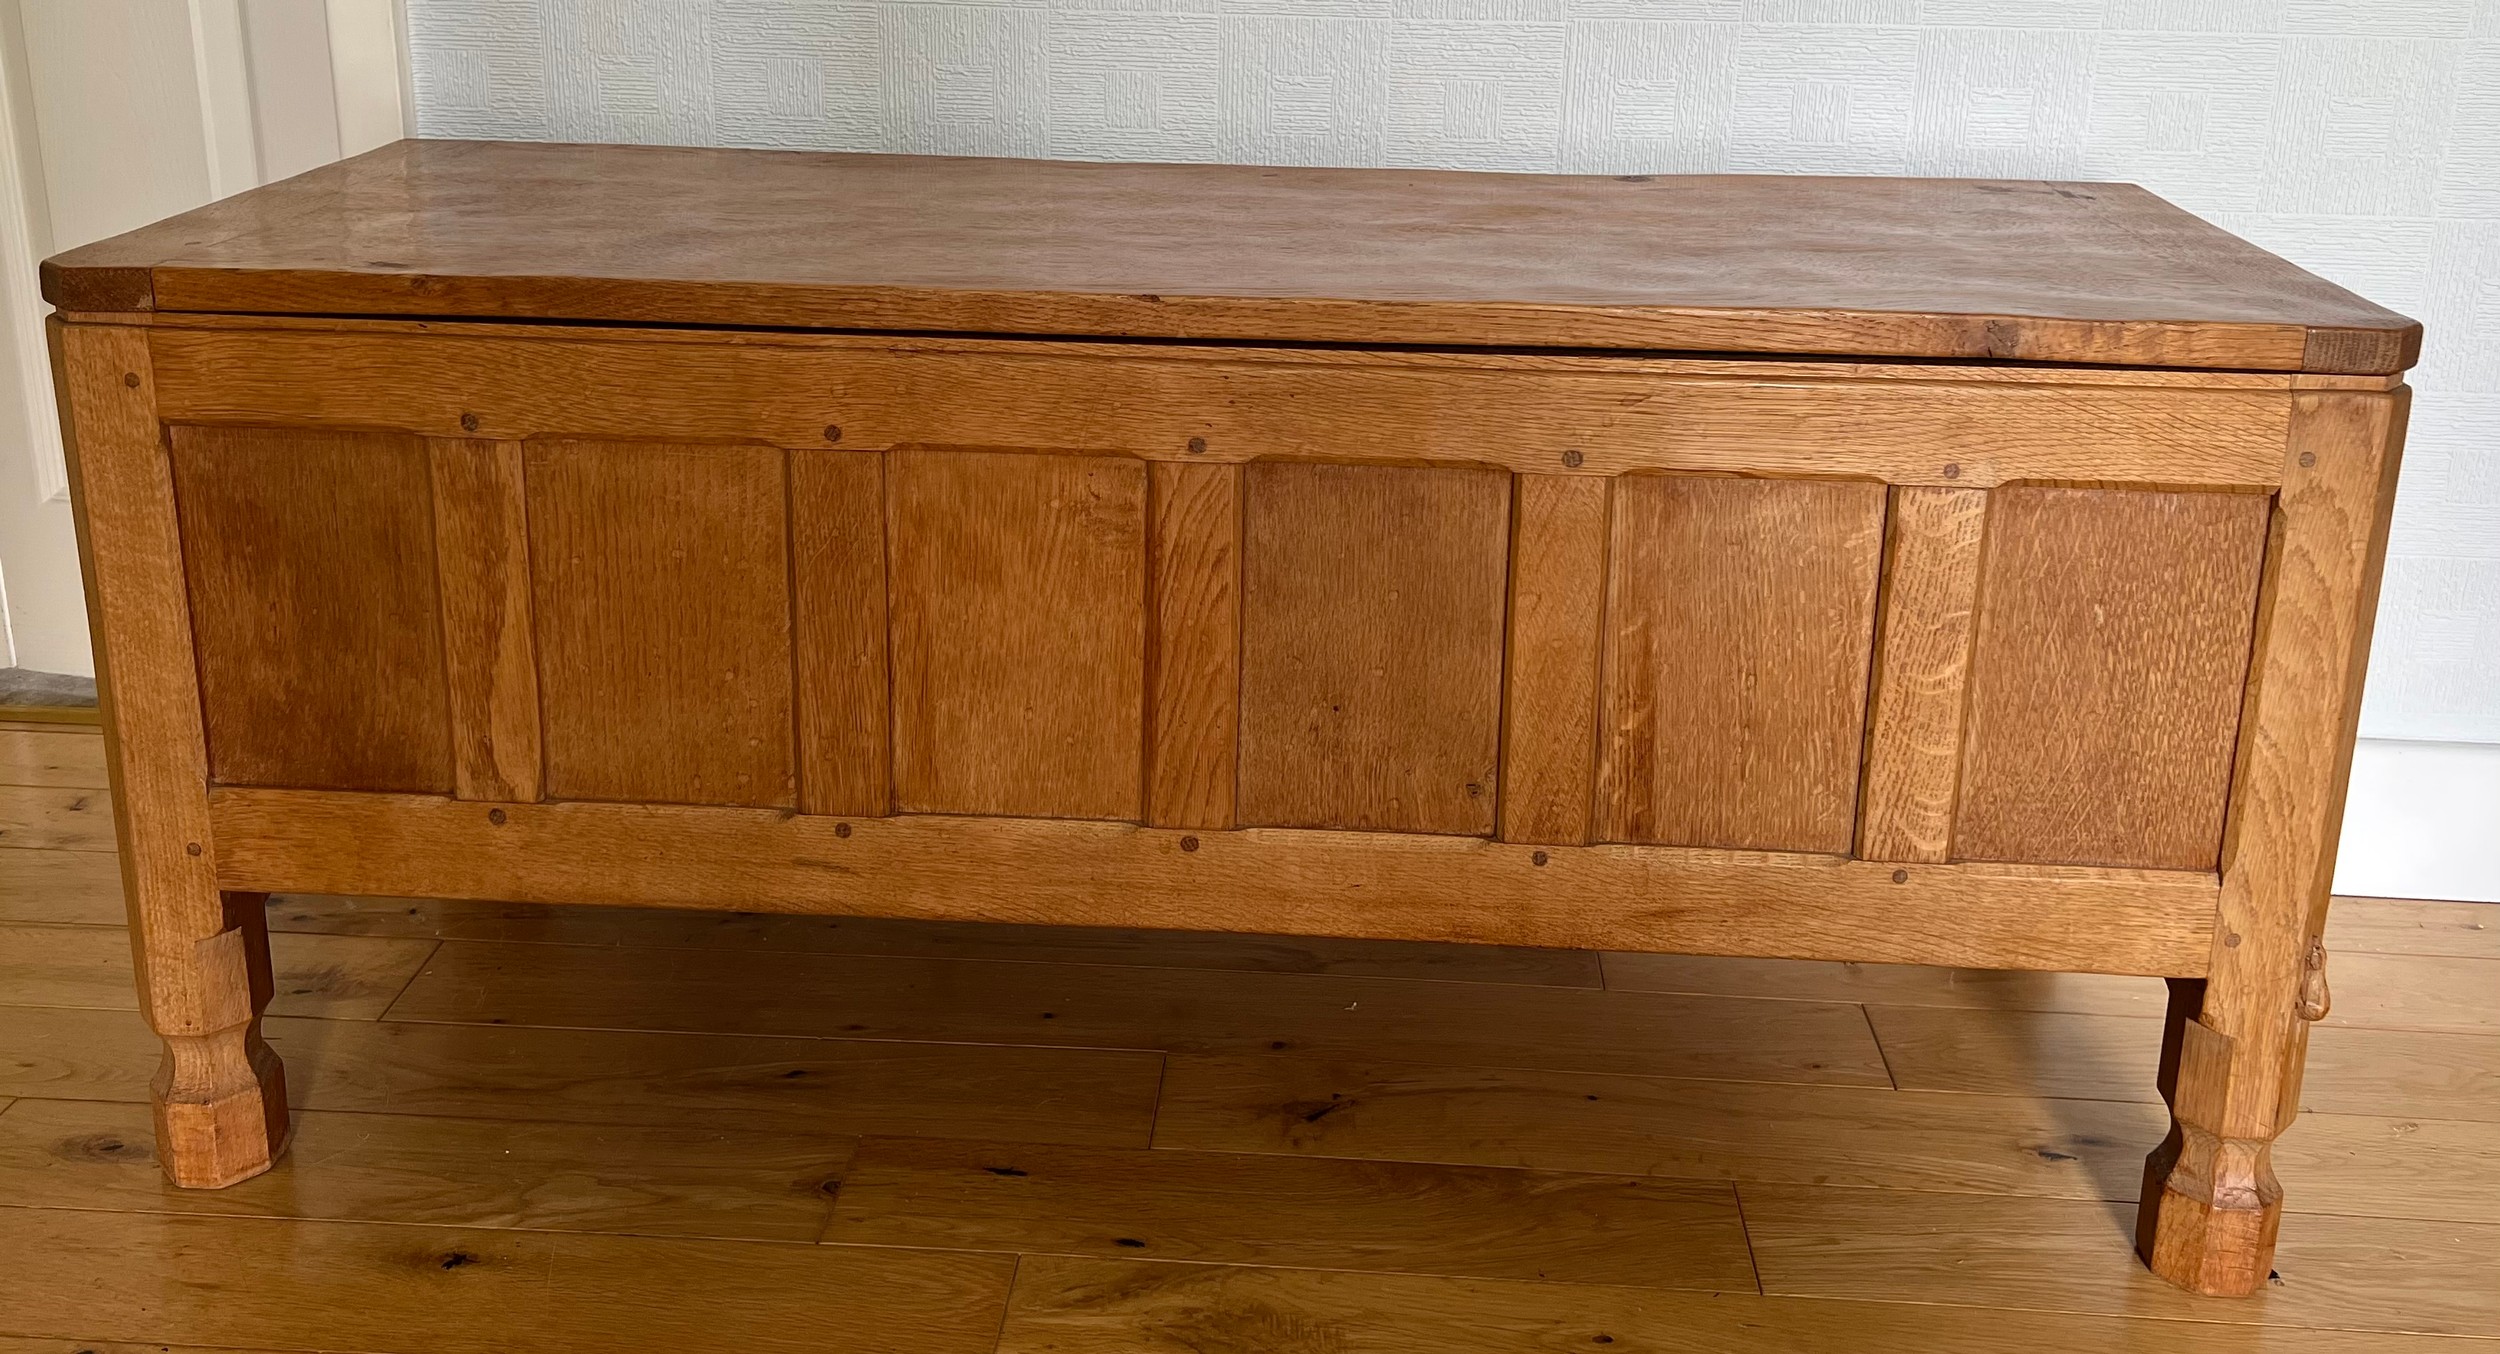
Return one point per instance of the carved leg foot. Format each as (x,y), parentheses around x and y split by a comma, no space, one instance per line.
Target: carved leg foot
(2211,1205)
(2210,1212)
(220,1095)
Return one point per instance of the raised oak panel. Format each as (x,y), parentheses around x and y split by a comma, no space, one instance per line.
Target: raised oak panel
(2112,647)
(1371,653)
(661,585)
(1019,632)
(1739,621)
(310,562)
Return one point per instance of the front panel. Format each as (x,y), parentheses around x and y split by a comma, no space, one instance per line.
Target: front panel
(1367,626)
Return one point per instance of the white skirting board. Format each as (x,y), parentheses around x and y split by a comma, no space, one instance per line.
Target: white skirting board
(2423,821)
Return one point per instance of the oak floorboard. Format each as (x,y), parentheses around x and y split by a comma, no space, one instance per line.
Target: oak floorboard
(625,1179)
(432,1290)
(1083,1306)
(332,977)
(846,997)
(1308,1212)
(15,1344)
(1894,984)
(57,818)
(2356,1164)
(2415,992)
(2419,992)
(75,888)
(655,928)
(1582,1121)
(1094,1096)
(2377,1166)
(2057,1255)
(78,1054)
(28,757)
(2405,1073)
(2407,926)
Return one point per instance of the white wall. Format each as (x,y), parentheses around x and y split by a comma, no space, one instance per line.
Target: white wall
(115,113)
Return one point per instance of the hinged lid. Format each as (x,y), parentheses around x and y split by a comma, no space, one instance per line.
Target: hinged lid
(1867,267)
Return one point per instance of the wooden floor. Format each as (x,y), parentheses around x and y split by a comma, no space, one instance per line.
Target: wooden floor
(597,1130)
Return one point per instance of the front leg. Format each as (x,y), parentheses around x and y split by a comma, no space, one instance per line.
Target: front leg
(220,1094)
(2211,1205)
(2236,1039)
(202,955)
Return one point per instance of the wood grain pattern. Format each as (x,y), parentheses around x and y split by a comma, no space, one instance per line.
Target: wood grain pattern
(1067,1305)
(1019,635)
(2112,639)
(661,585)
(2100,273)
(43,817)
(69,758)
(1065,1006)
(201,954)
(310,563)
(1371,637)
(2350,1070)
(2048,1255)
(792,933)
(1522,412)
(2235,1047)
(82,888)
(1354,884)
(1371,1108)
(838,553)
(481,536)
(1194,738)
(444,1172)
(1066,1095)
(1310,1212)
(331,977)
(1025,1094)
(1552,660)
(1922,674)
(2407,926)
(434,1290)
(1891,984)
(1738,623)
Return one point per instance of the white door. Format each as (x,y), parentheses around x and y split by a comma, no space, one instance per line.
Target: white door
(115,113)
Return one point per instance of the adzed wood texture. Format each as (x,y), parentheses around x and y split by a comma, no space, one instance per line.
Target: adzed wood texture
(1371,636)
(1376,555)
(2112,644)
(1738,623)
(310,567)
(2073,272)
(1019,633)
(661,581)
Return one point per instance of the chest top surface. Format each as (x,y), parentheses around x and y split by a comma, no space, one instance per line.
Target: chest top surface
(1861,267)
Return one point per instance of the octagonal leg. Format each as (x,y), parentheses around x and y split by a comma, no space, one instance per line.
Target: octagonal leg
(201,954)
(220,1094)
(2211,1204)
(2235,1040)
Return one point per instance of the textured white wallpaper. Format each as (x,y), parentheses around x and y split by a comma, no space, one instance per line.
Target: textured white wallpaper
(2360,138)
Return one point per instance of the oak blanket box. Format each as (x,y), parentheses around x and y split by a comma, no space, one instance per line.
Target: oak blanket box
(1950,572)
